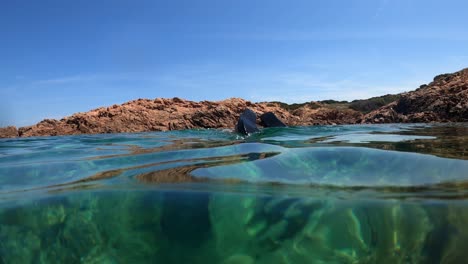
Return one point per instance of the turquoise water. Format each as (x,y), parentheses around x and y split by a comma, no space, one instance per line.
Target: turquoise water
(322,194)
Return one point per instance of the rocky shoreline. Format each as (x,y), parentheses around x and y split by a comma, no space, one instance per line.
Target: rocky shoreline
(443,100)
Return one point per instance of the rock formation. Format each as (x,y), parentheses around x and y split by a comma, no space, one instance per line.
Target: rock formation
(247,122)
(8,132)
(443,100)
(174,114)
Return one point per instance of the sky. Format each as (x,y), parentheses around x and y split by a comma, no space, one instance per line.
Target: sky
(61,57)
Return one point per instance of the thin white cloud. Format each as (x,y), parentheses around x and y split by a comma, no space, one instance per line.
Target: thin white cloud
(287,85)
(66,79)
(80,78)
(336,93)
(380,8)
(291,87)
(301,87)
(360,33)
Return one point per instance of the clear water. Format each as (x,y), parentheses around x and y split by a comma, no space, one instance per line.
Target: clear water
(323,194)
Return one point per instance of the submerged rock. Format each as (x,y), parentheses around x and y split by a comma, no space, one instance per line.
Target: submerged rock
(239,259)
(285,230)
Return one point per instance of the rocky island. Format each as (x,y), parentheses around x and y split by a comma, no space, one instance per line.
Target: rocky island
(443,100)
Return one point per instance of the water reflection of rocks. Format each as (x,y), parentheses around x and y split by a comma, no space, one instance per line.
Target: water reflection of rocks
(172,145)
(179,173)
(449,142)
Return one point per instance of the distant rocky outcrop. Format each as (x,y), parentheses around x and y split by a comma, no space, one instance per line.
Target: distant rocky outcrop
(443,100)
(8,132)
(175,114)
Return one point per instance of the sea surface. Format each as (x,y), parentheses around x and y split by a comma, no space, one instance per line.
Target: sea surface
(394,193)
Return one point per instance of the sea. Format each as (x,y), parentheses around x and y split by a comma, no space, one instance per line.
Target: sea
(393,193)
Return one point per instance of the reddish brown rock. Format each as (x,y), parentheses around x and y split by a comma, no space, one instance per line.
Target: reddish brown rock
(8,132)
(163,114)
(443,100)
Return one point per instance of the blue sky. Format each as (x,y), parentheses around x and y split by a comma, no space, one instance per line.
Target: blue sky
(61,57)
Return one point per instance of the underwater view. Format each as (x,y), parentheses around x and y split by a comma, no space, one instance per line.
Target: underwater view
(395,193)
